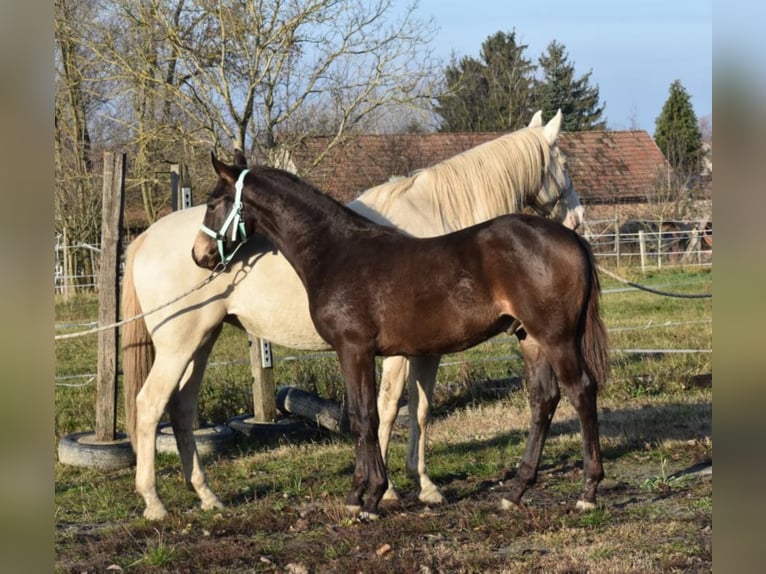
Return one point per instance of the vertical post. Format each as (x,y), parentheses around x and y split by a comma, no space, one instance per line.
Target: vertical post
(180,198)
(617,240)
(642,248)
(66,270)
(696,245)
(264,397)
(180,186)
(108,290)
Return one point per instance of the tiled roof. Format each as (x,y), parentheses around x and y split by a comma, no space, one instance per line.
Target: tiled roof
(605,166)
(613,166)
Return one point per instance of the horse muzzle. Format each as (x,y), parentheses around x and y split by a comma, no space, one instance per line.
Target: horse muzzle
(205,253)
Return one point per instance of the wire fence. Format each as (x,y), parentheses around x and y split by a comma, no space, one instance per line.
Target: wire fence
(651,243)
(644,243)
(85,379)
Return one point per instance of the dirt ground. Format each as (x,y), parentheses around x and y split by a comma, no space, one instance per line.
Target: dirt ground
(284,510)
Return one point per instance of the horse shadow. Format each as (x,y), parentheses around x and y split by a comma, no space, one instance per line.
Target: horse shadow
(633,428)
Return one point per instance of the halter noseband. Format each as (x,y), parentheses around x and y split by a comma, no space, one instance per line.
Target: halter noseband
(549,206)
(234,220)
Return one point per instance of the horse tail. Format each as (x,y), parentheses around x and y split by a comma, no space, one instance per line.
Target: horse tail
(594,342)
(137,348)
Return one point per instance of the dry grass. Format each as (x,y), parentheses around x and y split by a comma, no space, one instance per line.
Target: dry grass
(284,501)
(284,504)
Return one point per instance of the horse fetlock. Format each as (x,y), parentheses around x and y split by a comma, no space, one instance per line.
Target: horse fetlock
(589,492)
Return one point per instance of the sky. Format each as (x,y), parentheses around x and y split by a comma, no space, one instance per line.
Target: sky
(635,50)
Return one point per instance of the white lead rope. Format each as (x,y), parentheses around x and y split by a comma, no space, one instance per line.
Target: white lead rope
(215,273)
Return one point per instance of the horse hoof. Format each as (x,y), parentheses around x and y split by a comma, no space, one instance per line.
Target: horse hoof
(431,496)
(506,504)
(391,495)
(365,516)
(212,505)
(155,513)
(585,506)
(353,509)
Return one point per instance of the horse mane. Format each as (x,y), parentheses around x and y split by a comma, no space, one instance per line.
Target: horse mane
(490,178)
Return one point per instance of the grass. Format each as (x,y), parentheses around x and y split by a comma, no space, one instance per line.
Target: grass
(284,500)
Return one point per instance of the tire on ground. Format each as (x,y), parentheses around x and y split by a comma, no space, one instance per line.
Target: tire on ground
(82,449)
(210,439)
(266,431)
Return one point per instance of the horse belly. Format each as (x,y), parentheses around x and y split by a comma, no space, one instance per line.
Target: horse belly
(271,303)
(439,327)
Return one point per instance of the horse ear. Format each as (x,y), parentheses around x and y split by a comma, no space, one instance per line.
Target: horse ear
(553,127)
(224,171)
(537,120)
(239,159)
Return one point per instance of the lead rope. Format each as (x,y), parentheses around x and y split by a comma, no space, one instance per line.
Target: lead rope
(220,268)
(237,227)
(655,291)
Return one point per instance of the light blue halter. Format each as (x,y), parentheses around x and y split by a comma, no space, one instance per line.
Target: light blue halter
(234,220)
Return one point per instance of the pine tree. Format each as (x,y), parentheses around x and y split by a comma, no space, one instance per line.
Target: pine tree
(490,94)
(558,89)
(677,132)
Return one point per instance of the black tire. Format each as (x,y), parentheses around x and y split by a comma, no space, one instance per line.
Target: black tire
(249,427)
(82,449)
(210,439)
(322,412)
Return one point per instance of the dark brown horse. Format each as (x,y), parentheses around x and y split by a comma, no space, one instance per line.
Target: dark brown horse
(375,291)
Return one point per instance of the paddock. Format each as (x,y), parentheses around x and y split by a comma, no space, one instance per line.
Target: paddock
(655,511)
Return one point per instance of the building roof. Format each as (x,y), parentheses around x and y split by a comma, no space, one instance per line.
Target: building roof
(605,166)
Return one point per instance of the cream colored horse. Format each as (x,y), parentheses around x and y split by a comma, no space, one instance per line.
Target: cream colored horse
(262,294)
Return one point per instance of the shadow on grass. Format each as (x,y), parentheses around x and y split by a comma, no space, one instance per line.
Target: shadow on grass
(633,427)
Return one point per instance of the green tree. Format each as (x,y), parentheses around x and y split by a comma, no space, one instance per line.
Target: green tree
(559,89)
(490,94)
(677,133)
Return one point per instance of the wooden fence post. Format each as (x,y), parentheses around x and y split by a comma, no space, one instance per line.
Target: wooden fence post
(180,187)
(66,270)
(108,291)
(264,397)
(642,248)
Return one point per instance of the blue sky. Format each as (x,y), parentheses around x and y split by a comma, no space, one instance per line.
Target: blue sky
(634,49)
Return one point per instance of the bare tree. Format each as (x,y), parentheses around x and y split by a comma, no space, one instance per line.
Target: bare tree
(77,204)
(269,70)
(176,77)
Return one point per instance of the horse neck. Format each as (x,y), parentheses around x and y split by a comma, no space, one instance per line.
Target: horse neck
(303,223)
(498,177)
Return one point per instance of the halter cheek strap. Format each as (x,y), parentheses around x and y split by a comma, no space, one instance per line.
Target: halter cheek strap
(547,208)
(234,219)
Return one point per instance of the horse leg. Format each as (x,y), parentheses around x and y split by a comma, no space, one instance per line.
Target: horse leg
(544,397)
(395,371)
(182,409)
(358,367)
(421,381)
(166,373)
(420,373)
(582,391)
